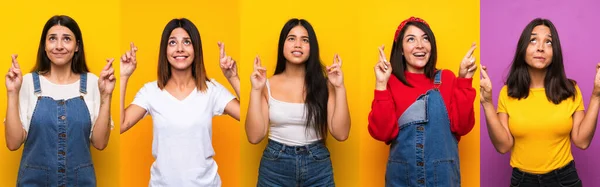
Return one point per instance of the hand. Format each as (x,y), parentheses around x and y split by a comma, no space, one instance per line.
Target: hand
(334,72)
(228,65)
(383,69)
(14,78)
(107,80)
(485,87)
(468,66)
(259,75)
(596,90)
(128,61)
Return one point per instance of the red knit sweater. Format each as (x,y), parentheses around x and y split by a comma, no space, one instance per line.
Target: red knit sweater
(388,105)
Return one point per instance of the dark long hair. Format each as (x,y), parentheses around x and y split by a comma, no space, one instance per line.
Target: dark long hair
(399,62)
(315,80)
(78,64)
(556,84)
(164,67)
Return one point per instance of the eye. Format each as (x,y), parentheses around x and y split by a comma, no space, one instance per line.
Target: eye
(291,39)
(172,42)
(411,39)
(187,42)
(426,38)
(305,40)
(533,41)
(66,39)
(548,42)
(52,38)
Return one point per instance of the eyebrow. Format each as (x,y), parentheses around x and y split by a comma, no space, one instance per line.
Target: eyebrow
(414,35)
(291,35)
(173,37)
(535,34)
(57,35)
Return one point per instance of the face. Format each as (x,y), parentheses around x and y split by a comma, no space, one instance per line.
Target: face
(61,45)
(296,48)
(416,49)
(180,51)
(539,51)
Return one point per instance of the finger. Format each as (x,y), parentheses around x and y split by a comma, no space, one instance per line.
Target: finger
(257,62)
(109,62)
(15,63)
(128,55)
(484,74)
(339,59)
(382,54)
(133,49)
(470,53)
(111,77)
(221,49)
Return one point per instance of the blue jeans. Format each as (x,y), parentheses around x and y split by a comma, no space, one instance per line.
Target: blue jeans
(283,165)
(565,176)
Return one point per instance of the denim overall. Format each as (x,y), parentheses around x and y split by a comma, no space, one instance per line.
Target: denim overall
(57,148)
(425,153)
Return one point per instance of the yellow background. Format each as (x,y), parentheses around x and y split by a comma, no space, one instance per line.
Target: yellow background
(21,31)
(455,25)
(143,23)
(248,28)
(355,31)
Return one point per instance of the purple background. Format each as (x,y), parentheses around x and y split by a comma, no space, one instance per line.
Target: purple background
(578,25)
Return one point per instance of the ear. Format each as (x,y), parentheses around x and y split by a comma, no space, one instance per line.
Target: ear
(77,47)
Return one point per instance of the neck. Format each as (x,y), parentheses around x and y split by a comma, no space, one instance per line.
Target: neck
(60,74)
(181,78)
(412,69)
(294,70)
(537,77)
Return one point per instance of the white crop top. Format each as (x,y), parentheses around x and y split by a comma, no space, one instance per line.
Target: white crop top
(288,122)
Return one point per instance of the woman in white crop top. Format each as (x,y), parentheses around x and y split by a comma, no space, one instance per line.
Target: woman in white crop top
(300,103)
(182,103)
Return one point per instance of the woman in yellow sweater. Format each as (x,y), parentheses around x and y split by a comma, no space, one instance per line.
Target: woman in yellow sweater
(540,111)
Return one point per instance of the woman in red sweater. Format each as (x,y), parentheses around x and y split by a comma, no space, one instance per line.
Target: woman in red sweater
(420,110)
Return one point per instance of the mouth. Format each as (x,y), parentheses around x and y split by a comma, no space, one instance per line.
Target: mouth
(539,58)
(297,53)
(419,54)
(180,57)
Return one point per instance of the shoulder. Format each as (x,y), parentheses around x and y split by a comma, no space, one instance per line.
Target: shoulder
(448,75)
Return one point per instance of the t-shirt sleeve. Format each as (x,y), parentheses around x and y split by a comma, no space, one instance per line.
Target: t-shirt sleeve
(578,99)
(502,98)
(24,102)
(220,97)
(141,98)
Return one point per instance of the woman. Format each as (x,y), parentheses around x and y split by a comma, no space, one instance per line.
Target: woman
(58,109)
(298,105)
(182,103)
(420,110)
(540,111)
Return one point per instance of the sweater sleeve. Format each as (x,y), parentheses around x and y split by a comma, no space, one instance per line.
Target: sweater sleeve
(461,112)
(382,118)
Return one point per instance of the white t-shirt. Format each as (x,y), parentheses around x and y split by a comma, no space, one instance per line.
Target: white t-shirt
(182,134)
(28,99)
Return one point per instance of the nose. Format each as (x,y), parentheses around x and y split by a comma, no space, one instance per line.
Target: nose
(180,47)
(540,47)
(419,44)
(297,44)
(60,45)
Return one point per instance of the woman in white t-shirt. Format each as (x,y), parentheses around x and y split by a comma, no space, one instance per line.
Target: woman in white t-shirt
(182,103)
(58,110)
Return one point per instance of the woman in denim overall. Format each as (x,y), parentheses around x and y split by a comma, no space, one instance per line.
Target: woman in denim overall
(58,136)
(415,104)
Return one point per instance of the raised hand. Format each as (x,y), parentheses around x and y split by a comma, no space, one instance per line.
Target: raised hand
(228,65)
(107,80)
(485,86)
(468,66)
(129,61)
(383,70)
(258,78)
(334,72)
(14,77)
